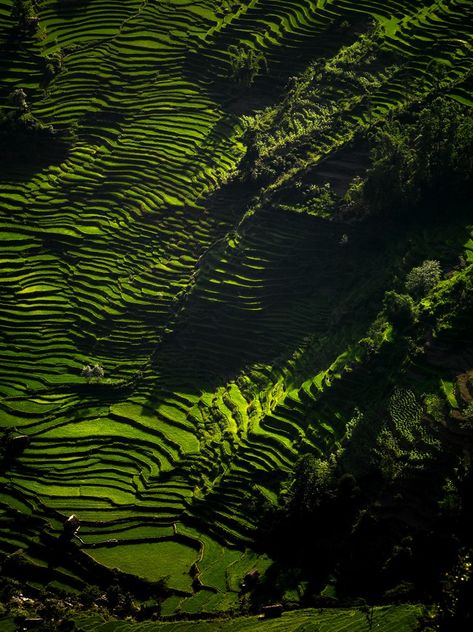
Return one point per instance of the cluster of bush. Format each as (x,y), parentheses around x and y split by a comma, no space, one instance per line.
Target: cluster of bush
(53,610)
(400,308)
(24,15)
(20,131)
(313,103)
(93,372)
(25,137)
(422,160)
(246,63)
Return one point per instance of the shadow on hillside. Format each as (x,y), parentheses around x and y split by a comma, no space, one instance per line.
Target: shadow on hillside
(211,64)
(21,160)
(71,8)
(256,303)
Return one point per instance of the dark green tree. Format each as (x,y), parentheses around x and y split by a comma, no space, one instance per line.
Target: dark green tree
(24,14)
(311,481)
(17,99)
(423,278)
(399,309)
(246,64)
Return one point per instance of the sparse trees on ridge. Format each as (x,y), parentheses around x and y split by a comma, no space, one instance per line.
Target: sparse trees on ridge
(420,160)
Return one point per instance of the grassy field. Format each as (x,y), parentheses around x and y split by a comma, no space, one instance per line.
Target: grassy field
(153,562)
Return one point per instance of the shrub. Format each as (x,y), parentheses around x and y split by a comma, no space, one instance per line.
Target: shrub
(114,596)
(317,200)
(89,595)
(423,278)
(399,309)
(468,411)
(353,197)
(435,407)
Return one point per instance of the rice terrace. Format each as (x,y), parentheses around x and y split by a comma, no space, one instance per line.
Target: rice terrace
(236,315)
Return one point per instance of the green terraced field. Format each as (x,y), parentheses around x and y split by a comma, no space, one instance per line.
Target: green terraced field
(151,561)
(224,316)
(392,619)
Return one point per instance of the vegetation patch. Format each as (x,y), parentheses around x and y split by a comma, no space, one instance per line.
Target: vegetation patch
(151,561)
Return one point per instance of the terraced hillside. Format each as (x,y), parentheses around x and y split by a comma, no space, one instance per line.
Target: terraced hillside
(390,619)
(173,209)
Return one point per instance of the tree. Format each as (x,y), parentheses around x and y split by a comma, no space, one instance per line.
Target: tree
(18,125)
(390,185)
(96,371)
(426,156)
(23,12)
(312,480)
(246,64)
(18,99)
(399,309)
(353,198)
(53,64)
(437,71)
(423,278)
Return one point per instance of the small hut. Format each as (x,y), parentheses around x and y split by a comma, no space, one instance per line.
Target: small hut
(272,611)
(72,525)
(28,623)
(18,443)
